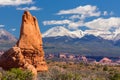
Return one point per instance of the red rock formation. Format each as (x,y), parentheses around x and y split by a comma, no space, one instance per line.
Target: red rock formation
(30,36)
(105,60)
(84,58)
(28,52)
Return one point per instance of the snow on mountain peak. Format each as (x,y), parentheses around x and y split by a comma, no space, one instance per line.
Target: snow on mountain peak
(61,31)
(2,32)
(101,33)
(4,35)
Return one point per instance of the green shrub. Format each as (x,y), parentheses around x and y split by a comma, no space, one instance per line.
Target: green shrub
(68,76)
(116,76)
(58,73)
(17,74)
(105,68)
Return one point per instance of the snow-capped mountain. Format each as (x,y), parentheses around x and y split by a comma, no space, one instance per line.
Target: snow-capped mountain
(100,33)
(88,42)
(116,35)
(6,36)
(61,31)
(7,40)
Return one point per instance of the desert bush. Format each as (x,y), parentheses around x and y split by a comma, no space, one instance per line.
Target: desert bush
(105,68)
(79,71)
(17,74)
(68,76)
(116,76)
(58,73)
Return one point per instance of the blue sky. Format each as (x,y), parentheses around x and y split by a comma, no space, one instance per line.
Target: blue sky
(101,15)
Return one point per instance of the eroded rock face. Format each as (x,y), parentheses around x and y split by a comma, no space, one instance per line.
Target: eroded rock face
(12,58)
(28,52)
(30,36)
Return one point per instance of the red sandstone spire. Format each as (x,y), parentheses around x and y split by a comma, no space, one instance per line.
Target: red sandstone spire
(28,52)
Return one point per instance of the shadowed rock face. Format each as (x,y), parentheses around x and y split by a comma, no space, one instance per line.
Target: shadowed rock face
(28,52)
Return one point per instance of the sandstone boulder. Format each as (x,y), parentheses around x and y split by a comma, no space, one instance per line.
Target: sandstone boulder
(12,58)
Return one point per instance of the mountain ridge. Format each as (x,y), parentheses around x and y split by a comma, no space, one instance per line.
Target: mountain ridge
(88,45)
(62,31)
(7,40)
(6,36)
(91,43)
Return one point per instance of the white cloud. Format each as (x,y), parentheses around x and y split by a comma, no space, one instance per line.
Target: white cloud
(83,11)
(104,24)
(99,24)
(75,17)
(75,25)
(70,24)
(14,29)
(56,22)
(105,13)
(29,8)
(1,26)
(14,2)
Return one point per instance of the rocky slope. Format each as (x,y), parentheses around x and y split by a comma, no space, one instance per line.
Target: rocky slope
(6,36)
(7,40)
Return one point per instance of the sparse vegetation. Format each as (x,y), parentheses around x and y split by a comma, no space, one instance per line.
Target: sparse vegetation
(16,74)
(66,71)
(116,76)
(79,71)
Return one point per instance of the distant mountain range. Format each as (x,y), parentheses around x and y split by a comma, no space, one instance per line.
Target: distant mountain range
(61,31)
(7,40)
(60,39)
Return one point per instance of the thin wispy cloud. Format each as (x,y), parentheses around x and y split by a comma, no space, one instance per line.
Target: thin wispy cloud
(29,8)
(111,13)
(13,29)
(14,2)
(105,13)
(56,22)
